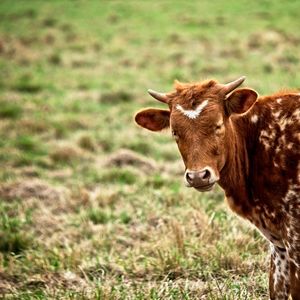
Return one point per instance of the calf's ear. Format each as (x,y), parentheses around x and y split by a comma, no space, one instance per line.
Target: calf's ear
(240,101)
(153,119)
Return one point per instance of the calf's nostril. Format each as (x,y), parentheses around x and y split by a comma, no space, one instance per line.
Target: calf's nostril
(206,174)
(189,177)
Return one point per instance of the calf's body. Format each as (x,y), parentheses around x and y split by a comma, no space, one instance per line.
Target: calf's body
(250,146)
(261,182)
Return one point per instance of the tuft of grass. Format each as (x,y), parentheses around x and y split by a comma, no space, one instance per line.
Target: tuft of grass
(14,242)
(140,146)
(104,216)
(87,142)
(124,217)
(49,22)
(32,151)
(10,110)
(121,176)
(26,143)
(98,216)
(65,154)
(27,87)
(13,236)
(55,59)
(116,97)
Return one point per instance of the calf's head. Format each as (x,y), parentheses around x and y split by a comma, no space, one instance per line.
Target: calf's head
(199,119)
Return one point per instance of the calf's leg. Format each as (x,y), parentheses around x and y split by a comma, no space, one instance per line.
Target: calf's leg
(295,281)
(279,277)
(292,243)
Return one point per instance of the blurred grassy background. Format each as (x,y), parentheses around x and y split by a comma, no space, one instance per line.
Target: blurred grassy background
(93,207)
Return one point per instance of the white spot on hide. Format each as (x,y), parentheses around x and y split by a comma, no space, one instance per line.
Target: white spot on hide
(296,114)
(254,118)
(277,114)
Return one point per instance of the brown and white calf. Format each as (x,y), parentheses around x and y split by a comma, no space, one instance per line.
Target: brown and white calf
(250,146)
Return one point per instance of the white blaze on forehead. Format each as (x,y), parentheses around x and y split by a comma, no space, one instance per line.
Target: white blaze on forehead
(192,114)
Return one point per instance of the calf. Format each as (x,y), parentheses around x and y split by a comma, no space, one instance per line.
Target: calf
(250,146)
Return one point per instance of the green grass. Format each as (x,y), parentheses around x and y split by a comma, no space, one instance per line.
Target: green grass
(13,236)
(78,220)
(10,110)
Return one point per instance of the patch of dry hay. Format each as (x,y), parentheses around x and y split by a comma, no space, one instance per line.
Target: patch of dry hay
(125,157)
(51,281)
(7,282)
(49,203)
(66,153)
(34,188)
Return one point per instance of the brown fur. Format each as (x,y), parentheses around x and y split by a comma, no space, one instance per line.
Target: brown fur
(255,154)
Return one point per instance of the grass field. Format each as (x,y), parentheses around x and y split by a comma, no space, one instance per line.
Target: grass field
(93,207)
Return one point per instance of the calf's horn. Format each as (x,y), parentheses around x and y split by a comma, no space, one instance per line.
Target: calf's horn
(158,96)
(233,85)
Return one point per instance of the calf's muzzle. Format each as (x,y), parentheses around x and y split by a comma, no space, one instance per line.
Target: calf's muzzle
(202,180)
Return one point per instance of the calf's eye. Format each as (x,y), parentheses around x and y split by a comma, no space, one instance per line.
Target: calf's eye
(175,135)
(219,126)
